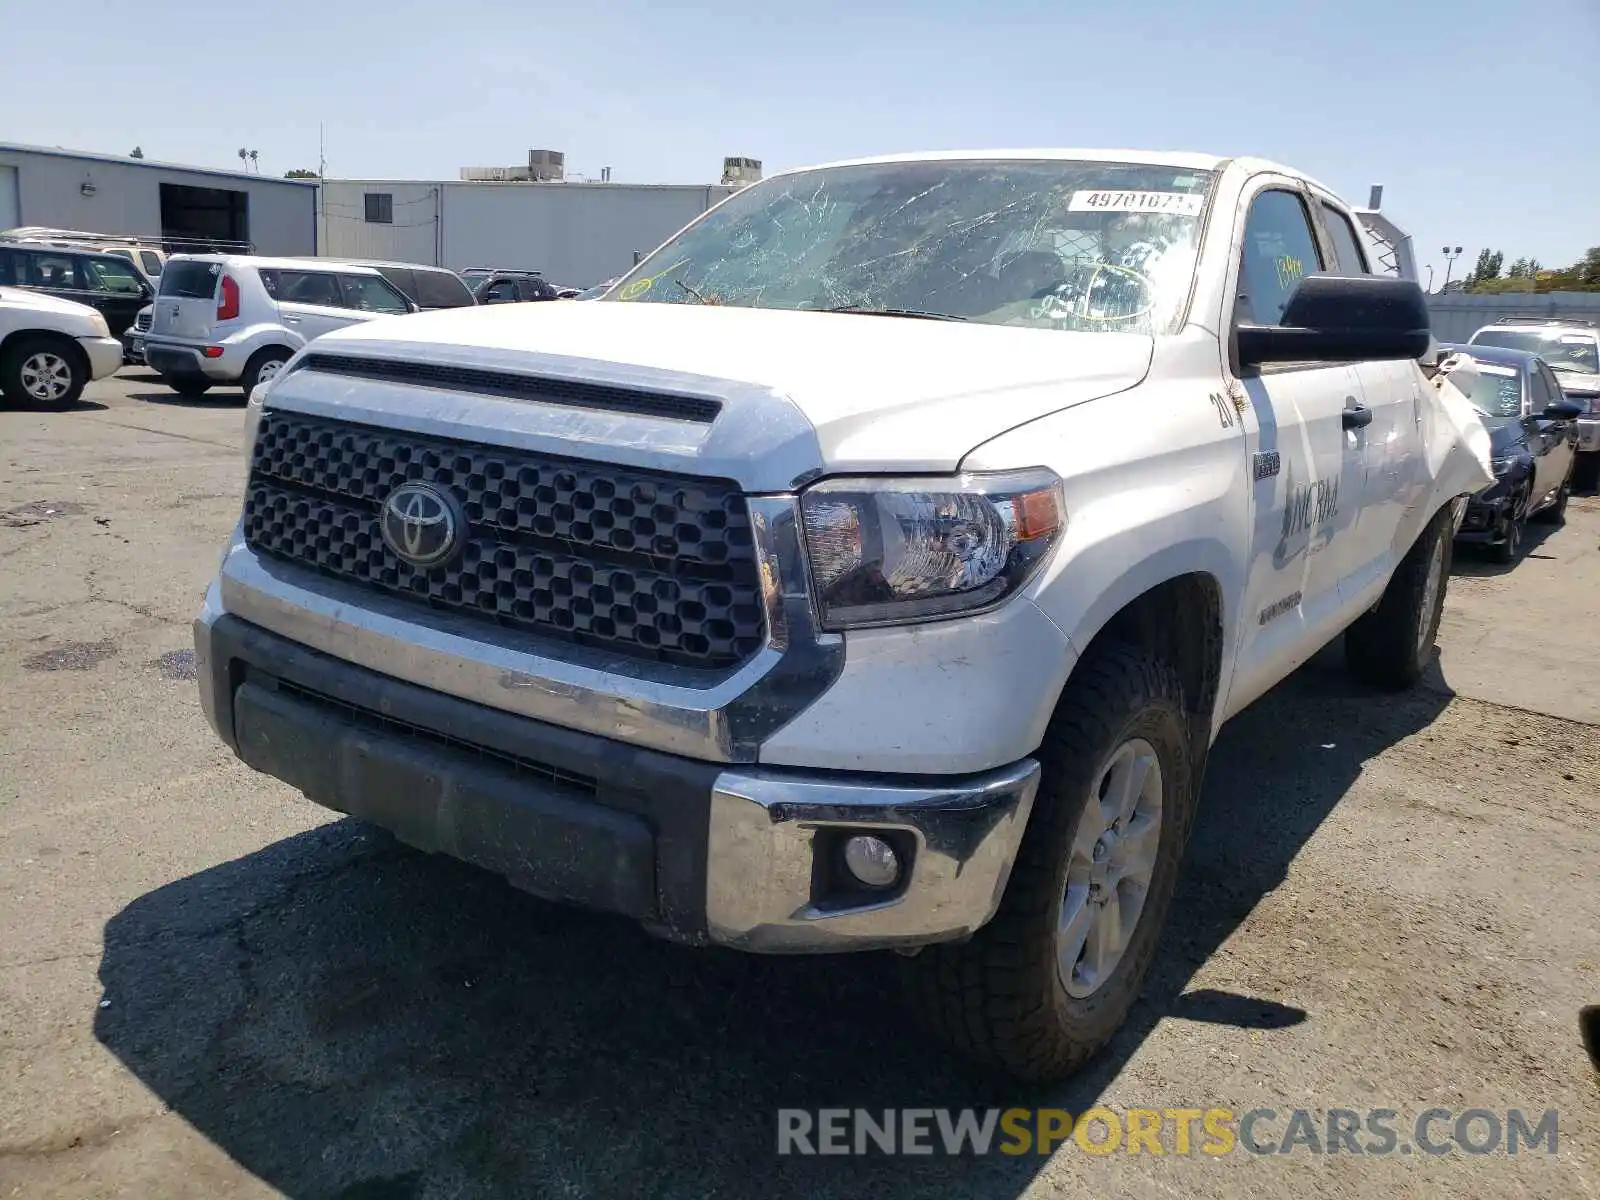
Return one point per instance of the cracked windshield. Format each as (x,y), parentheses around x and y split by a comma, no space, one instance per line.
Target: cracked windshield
(1091,247)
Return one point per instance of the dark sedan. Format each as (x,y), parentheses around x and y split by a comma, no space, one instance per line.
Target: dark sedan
(1533,433)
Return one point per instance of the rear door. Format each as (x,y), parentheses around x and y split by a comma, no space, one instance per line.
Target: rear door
(310,303)
(120,290)
(186,306)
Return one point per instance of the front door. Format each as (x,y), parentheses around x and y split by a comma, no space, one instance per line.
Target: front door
(1550,441)
(1307,470)
(309,302)
(120,290)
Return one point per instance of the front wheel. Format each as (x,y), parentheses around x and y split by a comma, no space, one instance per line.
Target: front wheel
(1505,550)
(263,366)
(43,372)
(1046,983)
(1391,646)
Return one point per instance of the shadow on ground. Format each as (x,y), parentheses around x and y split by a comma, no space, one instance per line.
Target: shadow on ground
(80,405)
(1476,560)
(226,398)
(349,1019)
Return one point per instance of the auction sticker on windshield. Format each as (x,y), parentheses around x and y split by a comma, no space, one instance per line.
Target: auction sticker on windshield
(1185,203)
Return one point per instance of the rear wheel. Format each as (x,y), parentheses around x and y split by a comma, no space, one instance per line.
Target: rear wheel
(43,372)
(263,366)
(1045,984)
(1390,646)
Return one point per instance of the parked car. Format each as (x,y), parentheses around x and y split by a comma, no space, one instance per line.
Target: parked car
(133,337)
(237,319)
(429,288)
(105,282)
(51,348)
(907,624)
(148,257)
(512,287)
(1533,432)
(1572,349)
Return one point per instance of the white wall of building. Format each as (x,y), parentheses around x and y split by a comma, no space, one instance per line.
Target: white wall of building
(576,233)
(125,197)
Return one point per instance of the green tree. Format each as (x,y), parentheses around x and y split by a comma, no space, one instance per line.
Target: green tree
(1489,264)
(301,173)
(136,153)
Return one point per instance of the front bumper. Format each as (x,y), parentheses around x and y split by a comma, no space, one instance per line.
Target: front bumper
(1588,435)
(133,346)
(104,354)
(701,852)
(1487,514)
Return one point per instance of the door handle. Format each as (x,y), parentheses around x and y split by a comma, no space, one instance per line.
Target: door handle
(291,320)
(1358,417)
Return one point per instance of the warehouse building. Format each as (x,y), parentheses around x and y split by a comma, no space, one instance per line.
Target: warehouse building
(180,206)
(577,234)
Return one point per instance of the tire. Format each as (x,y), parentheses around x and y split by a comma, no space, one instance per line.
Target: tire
(1586,471)
(189,389)
(43,372)
(263,365)
(1390,646)
(1556,513)
(1507,548)
(999,998)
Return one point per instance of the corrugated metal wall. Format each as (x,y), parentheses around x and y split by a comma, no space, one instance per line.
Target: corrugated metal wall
(577,234)
(1458,315)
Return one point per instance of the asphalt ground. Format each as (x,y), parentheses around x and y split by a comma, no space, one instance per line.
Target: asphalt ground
(210,987)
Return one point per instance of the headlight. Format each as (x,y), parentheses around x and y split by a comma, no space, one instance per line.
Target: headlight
(97,322)
(252,420)
(885,551)
(1502,464)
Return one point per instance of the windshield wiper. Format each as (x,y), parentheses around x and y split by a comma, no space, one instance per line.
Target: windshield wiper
(867,310)
(690,290)
(1571,368)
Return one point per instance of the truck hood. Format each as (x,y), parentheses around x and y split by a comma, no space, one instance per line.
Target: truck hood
(801,393)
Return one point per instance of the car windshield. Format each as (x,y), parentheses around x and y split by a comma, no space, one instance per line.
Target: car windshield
(1495,390)
(1048,245)
(1563,351)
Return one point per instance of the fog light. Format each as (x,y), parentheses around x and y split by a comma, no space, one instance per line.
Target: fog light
(872,861)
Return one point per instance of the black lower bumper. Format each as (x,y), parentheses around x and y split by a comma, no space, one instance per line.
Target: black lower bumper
(174,364)
(568,816)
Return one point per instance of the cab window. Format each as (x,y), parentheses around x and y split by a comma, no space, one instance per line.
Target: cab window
(52,271)
(1279,250)
(1346,245)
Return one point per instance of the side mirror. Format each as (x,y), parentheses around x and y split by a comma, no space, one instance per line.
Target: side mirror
(1564,410)
(1334,318)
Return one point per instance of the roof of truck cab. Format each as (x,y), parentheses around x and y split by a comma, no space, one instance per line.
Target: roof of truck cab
(1181,160)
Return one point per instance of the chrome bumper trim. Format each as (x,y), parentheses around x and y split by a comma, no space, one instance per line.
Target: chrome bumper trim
(714,717)
(761,869)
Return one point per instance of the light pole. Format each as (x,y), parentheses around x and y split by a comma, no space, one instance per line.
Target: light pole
(1450,257)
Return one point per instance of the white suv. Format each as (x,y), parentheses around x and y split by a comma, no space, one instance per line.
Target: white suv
(234,319)
(1572,350)
(50,348)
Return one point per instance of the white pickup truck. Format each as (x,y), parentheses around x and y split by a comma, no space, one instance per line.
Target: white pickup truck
(871,567)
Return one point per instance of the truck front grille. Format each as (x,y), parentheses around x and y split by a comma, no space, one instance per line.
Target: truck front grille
(142,321)
(649,565)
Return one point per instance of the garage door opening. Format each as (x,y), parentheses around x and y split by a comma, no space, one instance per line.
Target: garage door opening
(200,219)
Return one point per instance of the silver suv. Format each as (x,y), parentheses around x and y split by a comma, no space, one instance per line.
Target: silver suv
(237,319)
(1571,347)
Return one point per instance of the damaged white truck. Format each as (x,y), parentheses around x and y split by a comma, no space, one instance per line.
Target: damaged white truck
(872,567)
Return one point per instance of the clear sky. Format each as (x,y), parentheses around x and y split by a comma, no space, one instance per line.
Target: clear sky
(1481,119)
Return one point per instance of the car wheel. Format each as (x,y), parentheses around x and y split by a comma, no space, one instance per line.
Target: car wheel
(189,389)
(263,366)
(1586,472)
(1390,646)
(1046,983)
(1505,550)
(44,372)
(1556,512)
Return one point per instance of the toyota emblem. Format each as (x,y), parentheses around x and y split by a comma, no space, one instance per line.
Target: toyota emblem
(421,524)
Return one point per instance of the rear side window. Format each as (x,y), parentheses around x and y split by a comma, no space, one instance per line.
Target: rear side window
(152,263)
(441,289)
(1346,247)
(8,266)
(53,271)
(190,280)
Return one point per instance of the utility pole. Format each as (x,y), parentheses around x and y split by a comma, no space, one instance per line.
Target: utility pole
(322,152)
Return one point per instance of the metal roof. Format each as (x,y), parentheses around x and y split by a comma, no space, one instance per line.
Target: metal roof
(125,161)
